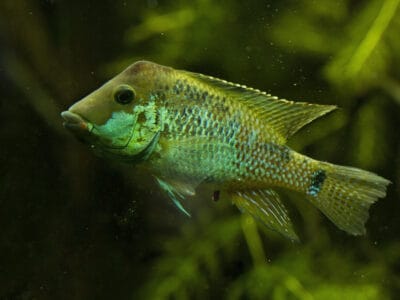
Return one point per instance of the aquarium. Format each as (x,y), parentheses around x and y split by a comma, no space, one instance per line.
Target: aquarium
(134,130)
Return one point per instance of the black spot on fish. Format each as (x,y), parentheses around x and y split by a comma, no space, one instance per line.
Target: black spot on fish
(278,152)
(184,113)
(160,95)
(141,118)
(220,107)
(215,195)
(178,87)
(284,154)
(230,135)
(179,126)
(198,121)
(317,180)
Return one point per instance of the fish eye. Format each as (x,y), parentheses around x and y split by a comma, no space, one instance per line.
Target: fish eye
(124,94)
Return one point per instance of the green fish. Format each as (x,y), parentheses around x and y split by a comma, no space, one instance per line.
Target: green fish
(189,129)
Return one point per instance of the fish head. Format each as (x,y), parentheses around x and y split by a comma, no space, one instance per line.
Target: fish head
(120,119)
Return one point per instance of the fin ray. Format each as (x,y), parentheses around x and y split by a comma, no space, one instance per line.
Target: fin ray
(176,194)
(266,206)
(346,195)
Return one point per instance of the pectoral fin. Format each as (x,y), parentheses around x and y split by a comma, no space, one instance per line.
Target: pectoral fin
(177,191)
(266,206)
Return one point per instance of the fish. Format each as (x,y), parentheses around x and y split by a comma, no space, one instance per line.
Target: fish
(188,130)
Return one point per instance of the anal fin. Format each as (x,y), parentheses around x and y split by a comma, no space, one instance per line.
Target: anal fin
(266,206)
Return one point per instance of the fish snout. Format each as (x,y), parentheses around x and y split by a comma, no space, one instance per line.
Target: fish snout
(74,122)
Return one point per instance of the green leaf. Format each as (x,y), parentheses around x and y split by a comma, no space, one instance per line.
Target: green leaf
(370,146)
(365,56)
(300,28)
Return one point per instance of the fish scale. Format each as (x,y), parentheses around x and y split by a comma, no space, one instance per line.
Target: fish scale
(267,167)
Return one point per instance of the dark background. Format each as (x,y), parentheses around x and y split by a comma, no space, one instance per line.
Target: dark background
(77,227)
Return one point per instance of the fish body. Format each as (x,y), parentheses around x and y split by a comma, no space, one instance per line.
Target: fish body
(187,129)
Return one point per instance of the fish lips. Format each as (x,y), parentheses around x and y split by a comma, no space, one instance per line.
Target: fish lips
(74,122)
(81,128)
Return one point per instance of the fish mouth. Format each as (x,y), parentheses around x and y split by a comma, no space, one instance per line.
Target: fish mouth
(87,132)
(75,122)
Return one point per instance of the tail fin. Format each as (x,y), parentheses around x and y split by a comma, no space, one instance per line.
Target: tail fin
(344,195)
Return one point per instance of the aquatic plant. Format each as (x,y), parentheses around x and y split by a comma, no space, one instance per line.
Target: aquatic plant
(75,227)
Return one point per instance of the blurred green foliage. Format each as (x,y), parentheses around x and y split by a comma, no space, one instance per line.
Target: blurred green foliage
(76,227)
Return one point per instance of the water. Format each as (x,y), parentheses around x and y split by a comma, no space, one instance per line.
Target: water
(78,227)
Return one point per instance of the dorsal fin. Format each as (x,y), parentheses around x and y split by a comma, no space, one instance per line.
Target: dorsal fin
(286,117)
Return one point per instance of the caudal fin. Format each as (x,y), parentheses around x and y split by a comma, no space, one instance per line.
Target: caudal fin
(344,195)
